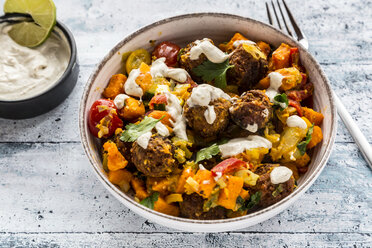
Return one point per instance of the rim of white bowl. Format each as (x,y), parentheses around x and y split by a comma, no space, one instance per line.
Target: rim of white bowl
(254,217)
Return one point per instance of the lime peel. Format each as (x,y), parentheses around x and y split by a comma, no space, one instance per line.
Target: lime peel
(32,34)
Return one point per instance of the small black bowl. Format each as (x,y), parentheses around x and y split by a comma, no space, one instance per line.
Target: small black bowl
(51,98)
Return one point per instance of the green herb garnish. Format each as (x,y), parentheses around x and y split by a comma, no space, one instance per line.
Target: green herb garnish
(210,71)
(240,202)
(278,190)
(133,131)
(150,201)
(302,145)
(253,201)
(281,100)
(179,53)
(207,153)
(212,202)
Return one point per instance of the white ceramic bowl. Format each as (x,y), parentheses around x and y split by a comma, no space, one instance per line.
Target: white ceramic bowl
(219,27)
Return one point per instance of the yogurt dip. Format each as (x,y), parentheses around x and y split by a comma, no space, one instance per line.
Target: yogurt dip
(27,72)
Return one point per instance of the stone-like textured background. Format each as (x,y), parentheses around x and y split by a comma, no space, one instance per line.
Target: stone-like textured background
(49,196)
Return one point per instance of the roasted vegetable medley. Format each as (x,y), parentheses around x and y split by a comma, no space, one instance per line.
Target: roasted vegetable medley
(208,131)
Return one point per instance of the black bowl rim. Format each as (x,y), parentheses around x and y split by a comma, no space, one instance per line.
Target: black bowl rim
(112,188)
(73,58)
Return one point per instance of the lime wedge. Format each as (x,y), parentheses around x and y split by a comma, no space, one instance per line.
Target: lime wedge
(30,34)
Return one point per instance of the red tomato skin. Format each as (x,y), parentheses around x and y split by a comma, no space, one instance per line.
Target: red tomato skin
(169,51)
(294,56)
(228,165)
(192,83)
(296,105)
(94,117)
(300,95)
(158,99)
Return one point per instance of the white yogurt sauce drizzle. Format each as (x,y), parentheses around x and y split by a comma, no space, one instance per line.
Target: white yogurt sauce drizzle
(210,114)
(265,113)
(160,69)
(213,53)
(175,110)
(162,129)
(280,174)
(202,96)
(275,83)
(252,128)
(143,140)
(239,145)
(119,100)
(130,86)
(26,72)
(296,121)
(239,42)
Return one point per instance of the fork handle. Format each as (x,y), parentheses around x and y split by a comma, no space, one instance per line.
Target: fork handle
(354,130)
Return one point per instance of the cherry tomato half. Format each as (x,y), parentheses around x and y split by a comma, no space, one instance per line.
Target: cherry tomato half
(103,119)
(135,59)
(227,166)
(158,102)
(169,51)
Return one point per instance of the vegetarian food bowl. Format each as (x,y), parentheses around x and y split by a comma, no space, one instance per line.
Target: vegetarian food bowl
(51,69)
(219,28)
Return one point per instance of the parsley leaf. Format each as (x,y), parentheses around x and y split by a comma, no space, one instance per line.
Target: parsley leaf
(302,145)
(150,201)
(133,131)
(281,100)
(207,153)
(253,201)
(210,71)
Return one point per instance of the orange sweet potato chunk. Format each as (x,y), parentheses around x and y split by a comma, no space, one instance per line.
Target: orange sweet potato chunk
(163,207)
(316,137)
(230,193)
(115,160)
(280,57)
(115,86)
(132,110)
(139,187)
(206,183)
(314,117)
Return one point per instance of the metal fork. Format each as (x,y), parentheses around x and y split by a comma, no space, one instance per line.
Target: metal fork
(354,130)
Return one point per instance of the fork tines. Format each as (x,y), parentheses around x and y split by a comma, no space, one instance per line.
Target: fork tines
(284,17)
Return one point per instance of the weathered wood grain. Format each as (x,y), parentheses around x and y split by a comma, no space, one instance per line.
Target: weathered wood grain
(51,188)
(227,240)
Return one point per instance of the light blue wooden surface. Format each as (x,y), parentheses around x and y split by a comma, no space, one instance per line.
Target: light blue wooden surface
(49,196)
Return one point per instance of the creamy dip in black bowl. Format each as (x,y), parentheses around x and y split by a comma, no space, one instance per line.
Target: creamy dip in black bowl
(43,80)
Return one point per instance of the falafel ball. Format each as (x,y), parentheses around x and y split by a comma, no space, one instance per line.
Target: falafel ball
(192,207)
(157,160)
(267,189)
(188,64)
(252,110)
(250,66)
(196,120)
